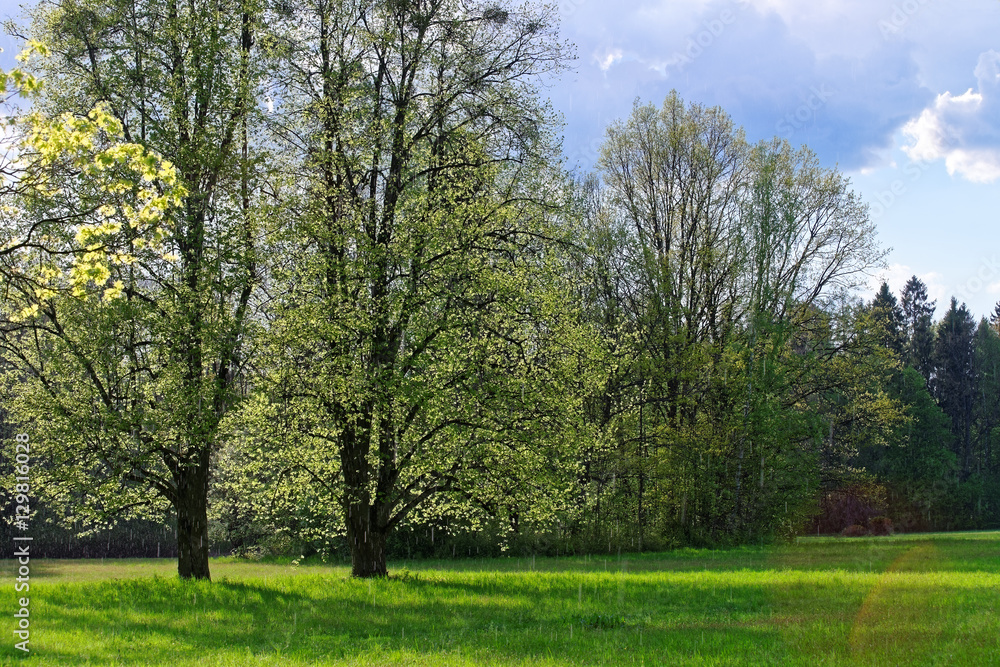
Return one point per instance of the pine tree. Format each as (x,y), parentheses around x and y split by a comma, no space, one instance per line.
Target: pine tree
(995,317)
(889,316)
(954,384)
(918,328)
(987,416)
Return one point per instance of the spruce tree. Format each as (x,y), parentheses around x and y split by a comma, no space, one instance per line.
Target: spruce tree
(917,322)
(954,384)
(889,317)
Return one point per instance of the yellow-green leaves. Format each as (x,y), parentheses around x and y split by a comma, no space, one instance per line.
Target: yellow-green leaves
(18,81)
(111,202)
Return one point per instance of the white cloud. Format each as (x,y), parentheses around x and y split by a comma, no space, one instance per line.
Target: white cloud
(963,130)
(761,61)
(936,289)
(979,166)
(609,58)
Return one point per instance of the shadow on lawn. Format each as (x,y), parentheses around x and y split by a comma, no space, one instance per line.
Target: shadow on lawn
(880,601)
(317,618)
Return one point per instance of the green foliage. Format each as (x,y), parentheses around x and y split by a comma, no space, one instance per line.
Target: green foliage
(718,277)
(147,202)
(917,315)
(85,208)
(889,318)
(937,463)
(373,306)
(954,383)
(421,357)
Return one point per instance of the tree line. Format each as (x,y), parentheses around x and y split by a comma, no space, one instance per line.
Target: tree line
(314,275)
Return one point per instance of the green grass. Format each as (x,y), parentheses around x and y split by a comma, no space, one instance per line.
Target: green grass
(914,599)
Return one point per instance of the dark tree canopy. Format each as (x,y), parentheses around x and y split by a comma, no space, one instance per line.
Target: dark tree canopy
(954,382)
(889,318)
(917,316)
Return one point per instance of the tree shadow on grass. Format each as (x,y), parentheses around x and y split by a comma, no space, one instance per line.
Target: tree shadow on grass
(315,619)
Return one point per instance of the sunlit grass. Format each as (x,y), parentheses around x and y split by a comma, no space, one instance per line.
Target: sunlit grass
(915,599)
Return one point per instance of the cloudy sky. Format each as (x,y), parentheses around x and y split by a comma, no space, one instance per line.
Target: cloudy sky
(901,95)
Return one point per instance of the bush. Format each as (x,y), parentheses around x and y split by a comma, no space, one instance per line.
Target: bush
(857,530)
(880,525)
(853,505)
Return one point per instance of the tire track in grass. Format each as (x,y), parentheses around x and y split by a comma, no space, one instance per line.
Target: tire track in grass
(892,618)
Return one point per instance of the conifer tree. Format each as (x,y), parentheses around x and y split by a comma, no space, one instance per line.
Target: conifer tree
(889,317)
(918,326)
(954,382)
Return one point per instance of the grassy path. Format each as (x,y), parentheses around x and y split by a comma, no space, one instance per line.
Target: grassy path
(922,599)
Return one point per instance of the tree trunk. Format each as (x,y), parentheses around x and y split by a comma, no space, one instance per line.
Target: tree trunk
(192,524)
(367,544)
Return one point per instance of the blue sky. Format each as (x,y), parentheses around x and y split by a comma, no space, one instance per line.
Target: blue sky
(903,96)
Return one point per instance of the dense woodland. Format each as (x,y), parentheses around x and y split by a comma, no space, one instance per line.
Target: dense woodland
(300,278)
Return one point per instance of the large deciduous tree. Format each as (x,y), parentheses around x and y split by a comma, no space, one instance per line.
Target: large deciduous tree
(420,332)
(127,394)
(735,258)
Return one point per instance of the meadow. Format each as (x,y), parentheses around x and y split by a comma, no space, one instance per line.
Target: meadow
(928,599)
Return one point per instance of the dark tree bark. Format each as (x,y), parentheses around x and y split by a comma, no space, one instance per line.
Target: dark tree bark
(192,522)
(367,542)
